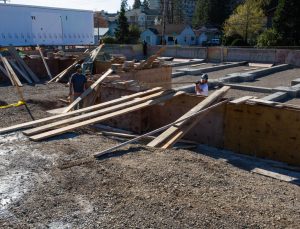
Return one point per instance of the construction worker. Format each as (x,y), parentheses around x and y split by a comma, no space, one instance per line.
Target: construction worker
(201,87)
(77,85)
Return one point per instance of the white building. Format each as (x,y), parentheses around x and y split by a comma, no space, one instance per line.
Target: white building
(34,25)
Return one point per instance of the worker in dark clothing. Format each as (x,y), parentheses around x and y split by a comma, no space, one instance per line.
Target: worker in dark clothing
(77,85)
(145,49)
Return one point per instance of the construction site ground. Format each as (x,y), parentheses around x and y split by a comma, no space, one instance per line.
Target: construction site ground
(58,184)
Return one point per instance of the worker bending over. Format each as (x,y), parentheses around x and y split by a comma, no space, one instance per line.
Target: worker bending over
(77,85)
(201,87)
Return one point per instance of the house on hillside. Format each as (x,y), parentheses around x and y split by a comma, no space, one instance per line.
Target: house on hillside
(143,18)
(151,36)
(208,35)
(174,35)
(103,21)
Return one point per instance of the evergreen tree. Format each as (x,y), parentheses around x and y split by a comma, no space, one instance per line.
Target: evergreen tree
(122,31)
(213,12)
(146,4)
(137,4)
(287,22)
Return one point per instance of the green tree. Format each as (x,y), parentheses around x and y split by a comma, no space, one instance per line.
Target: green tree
(211,12)
(134,34)
(287,22)
(268,38)
(122,31)
(247,21)
(146,4)
(137,4)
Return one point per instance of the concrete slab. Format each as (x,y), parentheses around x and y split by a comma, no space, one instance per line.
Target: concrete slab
(198,71)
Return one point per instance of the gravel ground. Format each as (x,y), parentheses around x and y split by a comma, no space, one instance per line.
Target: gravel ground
(283,78)
(58,184)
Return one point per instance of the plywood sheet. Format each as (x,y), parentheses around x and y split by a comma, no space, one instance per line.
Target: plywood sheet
(263,131)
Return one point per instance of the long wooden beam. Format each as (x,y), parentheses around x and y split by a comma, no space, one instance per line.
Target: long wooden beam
(23,74)
(73,113)
(96,113)
(104,117)
(88,91)
(202,105)
(45,63)
(10,71)
(13,51)
(157,130)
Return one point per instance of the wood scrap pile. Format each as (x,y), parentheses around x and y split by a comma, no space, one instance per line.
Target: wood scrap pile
(59,124)
(15,65)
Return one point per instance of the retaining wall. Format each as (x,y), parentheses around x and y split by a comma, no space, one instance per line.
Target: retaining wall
(215,54)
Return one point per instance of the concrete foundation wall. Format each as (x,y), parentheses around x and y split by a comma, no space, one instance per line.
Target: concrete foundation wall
(278,56)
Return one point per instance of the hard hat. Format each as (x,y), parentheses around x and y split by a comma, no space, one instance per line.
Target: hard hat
(77,66)
(204,77)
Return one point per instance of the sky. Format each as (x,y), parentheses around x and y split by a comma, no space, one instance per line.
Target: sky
(111,6)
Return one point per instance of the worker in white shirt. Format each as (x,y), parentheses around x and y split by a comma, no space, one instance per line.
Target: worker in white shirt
(201,87)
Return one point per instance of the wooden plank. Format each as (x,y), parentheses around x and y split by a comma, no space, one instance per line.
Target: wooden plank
(204,104)
(242,99)
(186,127)
(274,175)
(15,66)
(87,109)
(88,91)
(151,59)
(3,70)
(13,51)
(104,117)
(11,71)
(262,101)
(154,131)
(96,113)
(96,52)
(125,135)
(64,72)
(45,63)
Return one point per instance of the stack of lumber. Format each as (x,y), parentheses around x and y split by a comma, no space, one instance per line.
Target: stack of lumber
(59,124)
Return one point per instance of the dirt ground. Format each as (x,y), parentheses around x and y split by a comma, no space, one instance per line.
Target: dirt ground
(58,184)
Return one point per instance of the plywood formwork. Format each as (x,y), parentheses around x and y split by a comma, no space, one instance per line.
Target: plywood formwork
(259,130)
(263,131)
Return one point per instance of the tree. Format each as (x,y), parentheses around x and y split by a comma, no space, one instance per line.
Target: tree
(134,34)
(122,31)
(146,4)
(287,22)
(268,38)
(211,12)
(246,21)
(137,4)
